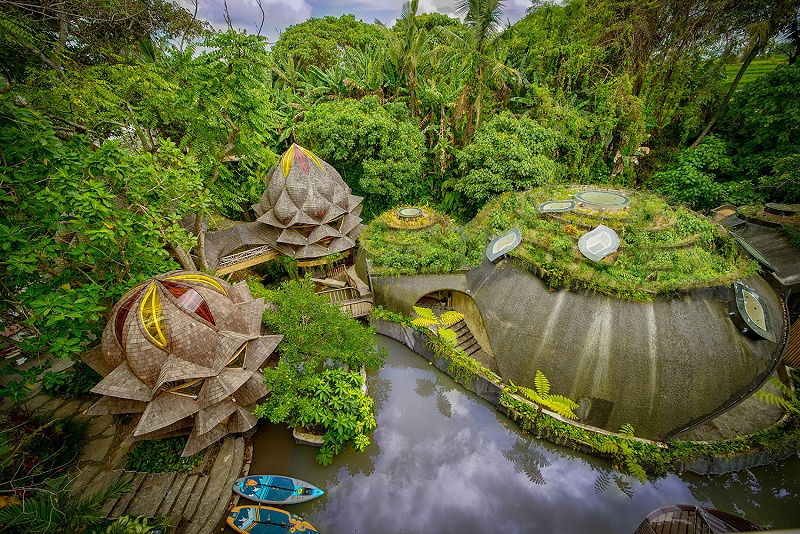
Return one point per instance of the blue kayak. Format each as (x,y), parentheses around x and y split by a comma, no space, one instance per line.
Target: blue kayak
(275,489)
(267,520)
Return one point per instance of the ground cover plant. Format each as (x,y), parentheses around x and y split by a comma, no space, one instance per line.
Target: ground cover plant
(162,456)
(663,249)
(397,248)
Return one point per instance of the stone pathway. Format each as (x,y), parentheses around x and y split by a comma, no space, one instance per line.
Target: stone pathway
(195,502)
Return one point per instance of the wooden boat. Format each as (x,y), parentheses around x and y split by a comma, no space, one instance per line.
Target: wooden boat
(691,519)
(275,489)
(267,520)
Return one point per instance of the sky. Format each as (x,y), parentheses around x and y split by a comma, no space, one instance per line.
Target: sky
(280,14)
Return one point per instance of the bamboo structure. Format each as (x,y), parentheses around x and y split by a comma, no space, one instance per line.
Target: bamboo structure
(184,350)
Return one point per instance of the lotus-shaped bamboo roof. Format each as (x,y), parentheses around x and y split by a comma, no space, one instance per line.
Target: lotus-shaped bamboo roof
(307,207)
(183,349)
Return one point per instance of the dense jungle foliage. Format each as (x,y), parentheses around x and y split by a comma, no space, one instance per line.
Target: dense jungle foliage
(120,121)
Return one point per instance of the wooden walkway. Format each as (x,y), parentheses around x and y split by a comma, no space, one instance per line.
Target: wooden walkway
(195,502)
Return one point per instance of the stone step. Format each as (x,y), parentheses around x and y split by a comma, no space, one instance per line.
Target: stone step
(191,484)
(152,491)
(217,495)
(117,507)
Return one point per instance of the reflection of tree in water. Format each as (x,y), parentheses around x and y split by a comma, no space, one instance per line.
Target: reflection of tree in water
(526,460)
(606,477)
(752,495)
(427,388)
(378,389)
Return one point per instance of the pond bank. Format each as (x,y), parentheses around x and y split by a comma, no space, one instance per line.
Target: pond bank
(708,463)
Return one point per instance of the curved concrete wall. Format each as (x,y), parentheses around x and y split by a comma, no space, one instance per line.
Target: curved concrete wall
(661,366)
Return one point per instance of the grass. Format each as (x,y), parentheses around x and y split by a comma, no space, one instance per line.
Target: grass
(759,67)
(436,248)
(663,249)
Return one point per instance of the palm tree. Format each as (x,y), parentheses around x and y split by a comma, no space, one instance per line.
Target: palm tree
(408,49)
(478,53)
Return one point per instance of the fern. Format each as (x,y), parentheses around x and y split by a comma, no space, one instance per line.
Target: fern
(626,430)
(425,318)
(788,402)
(542,383)
(448,335)
(450,317)
(607,447)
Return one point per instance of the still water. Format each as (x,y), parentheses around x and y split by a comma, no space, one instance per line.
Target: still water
(442,460)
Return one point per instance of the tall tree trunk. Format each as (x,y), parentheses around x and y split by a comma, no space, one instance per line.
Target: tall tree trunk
(754,51)
(201,242)
(183,257)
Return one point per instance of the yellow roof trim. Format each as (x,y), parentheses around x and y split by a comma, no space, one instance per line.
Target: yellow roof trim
(202,278)
(152,316)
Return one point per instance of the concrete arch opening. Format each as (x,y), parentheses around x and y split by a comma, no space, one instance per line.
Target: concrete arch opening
(471,332)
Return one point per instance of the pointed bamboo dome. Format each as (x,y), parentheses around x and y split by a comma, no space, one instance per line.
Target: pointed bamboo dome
(307,208)
(183,349)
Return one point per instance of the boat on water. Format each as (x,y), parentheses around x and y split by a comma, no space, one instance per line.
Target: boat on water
(267,520)
(275,489)
(692,519)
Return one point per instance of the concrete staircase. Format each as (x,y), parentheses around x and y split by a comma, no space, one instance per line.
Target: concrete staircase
(466,341)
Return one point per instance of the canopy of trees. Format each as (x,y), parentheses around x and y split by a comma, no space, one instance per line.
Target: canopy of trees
(123,125)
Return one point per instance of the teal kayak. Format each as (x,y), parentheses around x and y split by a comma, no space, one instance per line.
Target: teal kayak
(267,520)
(275,489)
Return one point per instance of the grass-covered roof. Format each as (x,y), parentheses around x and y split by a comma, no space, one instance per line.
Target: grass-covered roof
(663,249)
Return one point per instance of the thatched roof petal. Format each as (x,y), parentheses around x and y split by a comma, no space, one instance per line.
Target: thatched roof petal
(164,410)
(321,232)
(227,345)
(259,350)
(292,237)
(240,293)
(94,359)
(349,223)
(123,383)
(208,418)
(252,391)
(285,210)
(198,442)
(235,378)
(214,391)
(252,312)
(241,420)
(112,406)
(176,368)
(178,428)
(353,203)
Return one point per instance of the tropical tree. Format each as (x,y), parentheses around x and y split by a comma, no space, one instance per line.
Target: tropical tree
(761,22)
(376,148)
(480,55)
(408,47)
(321,42)
(80,223)
(316,383)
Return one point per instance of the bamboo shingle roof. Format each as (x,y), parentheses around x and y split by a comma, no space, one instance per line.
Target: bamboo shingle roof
(184,350)
(307,211)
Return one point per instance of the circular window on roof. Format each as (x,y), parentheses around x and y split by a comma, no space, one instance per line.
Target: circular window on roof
(602,199)
(409,213)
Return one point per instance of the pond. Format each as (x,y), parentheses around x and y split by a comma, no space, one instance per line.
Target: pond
(443,460)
